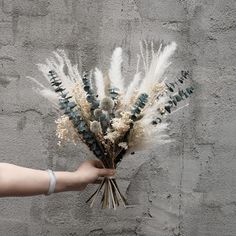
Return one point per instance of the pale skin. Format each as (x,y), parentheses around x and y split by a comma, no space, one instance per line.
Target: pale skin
(20,181)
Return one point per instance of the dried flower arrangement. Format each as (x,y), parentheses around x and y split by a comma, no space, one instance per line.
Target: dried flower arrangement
(108,118)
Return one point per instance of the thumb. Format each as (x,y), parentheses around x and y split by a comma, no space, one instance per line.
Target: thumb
(106,172)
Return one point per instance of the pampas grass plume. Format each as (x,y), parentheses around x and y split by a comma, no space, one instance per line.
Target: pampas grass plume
(159,64)
(115,70)
(99,82)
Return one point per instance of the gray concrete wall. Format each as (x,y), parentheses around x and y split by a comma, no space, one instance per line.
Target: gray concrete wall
(184,188)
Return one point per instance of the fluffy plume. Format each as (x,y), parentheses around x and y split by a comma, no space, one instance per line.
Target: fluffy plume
(71,79)
(132,88)
(58,63)
(72,70)
(50,95)
(142,138)
(159,64)
(157,134)
(99,81)
(150,129)
(152,110)
(115,70)
(143,57)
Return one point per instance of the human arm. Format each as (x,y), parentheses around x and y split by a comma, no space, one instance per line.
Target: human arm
(21,181)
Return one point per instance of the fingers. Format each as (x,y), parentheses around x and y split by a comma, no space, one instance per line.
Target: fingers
(97,163)
(106,172)
(102,171)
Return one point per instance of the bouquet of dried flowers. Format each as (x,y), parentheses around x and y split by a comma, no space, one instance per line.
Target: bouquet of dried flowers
(108,117)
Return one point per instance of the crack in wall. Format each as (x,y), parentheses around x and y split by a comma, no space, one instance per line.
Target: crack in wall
(5,113)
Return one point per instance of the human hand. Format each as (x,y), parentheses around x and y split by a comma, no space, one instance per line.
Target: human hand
(88,173)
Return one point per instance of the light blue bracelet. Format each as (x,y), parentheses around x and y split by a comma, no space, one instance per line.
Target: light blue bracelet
(52,183)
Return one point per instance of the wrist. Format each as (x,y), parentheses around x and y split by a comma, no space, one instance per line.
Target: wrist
(64,181)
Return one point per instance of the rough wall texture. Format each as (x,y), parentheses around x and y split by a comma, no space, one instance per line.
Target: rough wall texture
(184,188)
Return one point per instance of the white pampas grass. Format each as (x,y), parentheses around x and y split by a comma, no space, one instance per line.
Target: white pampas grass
(151,112)
(99,82)
(51,65)
(72,70)
(115,70)
(138,62)
(159,64)
(157,135)
(133,86)
(50,95)
(163,59)
(36,81)
(147,53)
(67,73)
(143,57)
(143,138)
(58,63)
(152,49)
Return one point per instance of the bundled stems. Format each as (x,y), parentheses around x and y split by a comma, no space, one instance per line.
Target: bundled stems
(111,196)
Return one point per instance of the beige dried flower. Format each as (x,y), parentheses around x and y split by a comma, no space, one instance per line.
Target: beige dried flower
(122,124)
(81,101)
(65,130)
(160,88)
(118,113)
(123,145)
(162,109)
(136,134)
(120,127)
(112,136)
